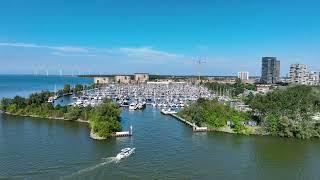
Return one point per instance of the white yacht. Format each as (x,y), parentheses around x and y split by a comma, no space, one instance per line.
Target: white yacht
(51,100)
(141,105)
(168,111)
(78,102)
(126,152)
(132,106)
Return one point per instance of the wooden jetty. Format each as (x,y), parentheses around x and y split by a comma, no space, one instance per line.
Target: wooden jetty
(123,133)
(193,125)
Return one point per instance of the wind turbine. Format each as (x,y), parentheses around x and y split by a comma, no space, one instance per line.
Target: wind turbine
(60,70)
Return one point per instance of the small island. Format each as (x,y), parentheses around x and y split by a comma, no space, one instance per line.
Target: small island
(104,119)
(288,112)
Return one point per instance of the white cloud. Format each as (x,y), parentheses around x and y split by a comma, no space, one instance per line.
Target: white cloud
(71,49)
(57,53)
(58,48)
(147,52)
(132,54)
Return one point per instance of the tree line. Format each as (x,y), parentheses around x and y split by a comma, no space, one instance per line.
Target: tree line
(76,89)
(229,89)
(285,112)
(214,114)
(104,119)
(289,112)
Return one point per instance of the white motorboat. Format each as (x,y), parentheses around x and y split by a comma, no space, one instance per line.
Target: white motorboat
(141,105)
(51,100)
(168,111)
(126,152)
(125,103)
(78,102)
(132,106)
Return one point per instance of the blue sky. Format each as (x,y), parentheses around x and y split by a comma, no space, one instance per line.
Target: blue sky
(159,37)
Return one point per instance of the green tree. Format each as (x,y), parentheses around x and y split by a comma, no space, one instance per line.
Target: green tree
(212,113)
(5,103)
(73,113)
(249,98)
(272,124)
(66,88)
(20,102)
(105,119)
(288,112)
(238,87)
(78,87)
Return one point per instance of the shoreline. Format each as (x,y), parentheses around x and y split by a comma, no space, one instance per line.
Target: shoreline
(224,129)
(95,136)
(92,134)
(51,118)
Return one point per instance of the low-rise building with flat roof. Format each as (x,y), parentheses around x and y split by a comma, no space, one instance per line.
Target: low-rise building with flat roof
(263,88)
(103,80)
(122,79)
(141,77)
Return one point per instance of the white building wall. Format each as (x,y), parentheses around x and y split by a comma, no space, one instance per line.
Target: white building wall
(243,75)
(299,74)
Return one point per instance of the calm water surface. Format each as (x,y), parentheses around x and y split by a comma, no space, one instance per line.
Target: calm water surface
(23,85)
(33,148)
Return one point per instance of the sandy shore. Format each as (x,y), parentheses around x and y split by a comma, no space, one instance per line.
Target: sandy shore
(95,136)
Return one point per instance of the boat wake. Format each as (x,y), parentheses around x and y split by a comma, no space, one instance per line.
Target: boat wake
(105,161)
(43,171)
(126,152)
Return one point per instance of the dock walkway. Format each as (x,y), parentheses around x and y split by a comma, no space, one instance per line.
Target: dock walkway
(193,125)
(122,134)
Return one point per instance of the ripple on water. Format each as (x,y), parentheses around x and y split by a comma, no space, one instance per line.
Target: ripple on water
(166,148)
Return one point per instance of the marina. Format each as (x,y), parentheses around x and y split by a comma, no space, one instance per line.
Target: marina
(169,98)
(172,96)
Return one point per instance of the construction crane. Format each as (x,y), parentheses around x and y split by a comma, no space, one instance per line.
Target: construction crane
(198,63)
